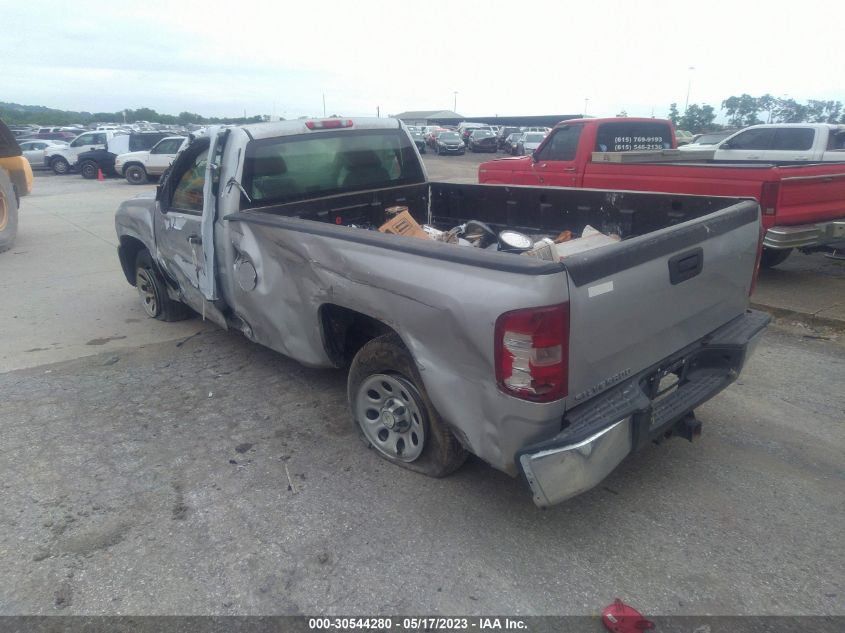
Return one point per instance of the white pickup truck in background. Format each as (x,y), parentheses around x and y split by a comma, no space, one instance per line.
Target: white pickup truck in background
(63,159)
(811,142)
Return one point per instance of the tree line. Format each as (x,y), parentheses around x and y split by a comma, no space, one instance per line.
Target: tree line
(746,110)
(16,114)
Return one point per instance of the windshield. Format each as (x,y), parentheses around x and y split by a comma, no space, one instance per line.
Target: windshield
(710,139)
(449,136)
(286,169)
(534,138)
(482,133)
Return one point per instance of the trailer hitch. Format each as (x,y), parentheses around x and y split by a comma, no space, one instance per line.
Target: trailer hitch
(688,427)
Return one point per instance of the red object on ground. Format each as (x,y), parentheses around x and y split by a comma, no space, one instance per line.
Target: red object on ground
(100,175)
(621,618)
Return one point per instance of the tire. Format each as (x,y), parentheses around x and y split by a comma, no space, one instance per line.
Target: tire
(59,166)
(384,388)
(89,169)
(772,257)
(8,212)
(136,175)
(152,290)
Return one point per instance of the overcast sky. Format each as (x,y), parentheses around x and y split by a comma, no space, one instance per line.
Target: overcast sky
(538,57)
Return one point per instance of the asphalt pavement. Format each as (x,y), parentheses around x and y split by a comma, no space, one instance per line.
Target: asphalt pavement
(174,468)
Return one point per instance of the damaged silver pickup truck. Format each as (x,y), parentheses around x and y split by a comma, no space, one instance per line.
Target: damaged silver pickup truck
(552,368)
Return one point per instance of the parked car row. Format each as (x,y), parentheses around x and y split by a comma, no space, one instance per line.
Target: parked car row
(136,156)
(477,137)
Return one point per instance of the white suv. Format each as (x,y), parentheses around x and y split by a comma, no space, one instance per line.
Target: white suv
(137,167)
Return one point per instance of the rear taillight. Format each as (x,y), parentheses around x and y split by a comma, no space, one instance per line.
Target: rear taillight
(769,197)
(532,353)
(328,124)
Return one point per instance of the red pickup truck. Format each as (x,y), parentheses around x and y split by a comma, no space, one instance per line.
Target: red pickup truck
(803,205)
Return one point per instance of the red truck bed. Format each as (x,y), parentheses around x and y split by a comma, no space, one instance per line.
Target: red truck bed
(803,205)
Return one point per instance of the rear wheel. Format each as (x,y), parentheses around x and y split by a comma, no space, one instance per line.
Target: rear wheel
(60,166)
(8,212)
(152,290)
(89,169)
(772,257)
(136,174)
(393,413)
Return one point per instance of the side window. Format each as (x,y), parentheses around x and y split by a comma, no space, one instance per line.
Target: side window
(170,146)
(187,195)
(99,139)
(836,141)
(753,139)
(563,145)
(792,138)
(84,139)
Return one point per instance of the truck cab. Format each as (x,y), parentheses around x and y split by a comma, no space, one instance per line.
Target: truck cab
(63,159)
(785,142)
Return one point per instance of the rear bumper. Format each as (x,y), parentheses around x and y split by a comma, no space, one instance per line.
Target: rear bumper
(599,434)
(804,235)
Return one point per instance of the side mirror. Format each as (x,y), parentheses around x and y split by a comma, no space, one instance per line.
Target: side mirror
(534,156)
(725,145)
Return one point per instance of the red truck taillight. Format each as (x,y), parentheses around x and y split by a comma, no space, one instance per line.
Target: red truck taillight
(532,353)
(769,197)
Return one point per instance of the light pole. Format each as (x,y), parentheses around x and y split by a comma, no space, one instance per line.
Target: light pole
(586,100)
(689,85)
(455,103)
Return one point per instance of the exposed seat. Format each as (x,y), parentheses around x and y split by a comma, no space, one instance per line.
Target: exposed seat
(362,168)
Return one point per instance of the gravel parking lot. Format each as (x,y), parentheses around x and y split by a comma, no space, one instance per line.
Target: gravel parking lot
(175,468)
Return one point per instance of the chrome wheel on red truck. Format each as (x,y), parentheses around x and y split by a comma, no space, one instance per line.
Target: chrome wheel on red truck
(393,413)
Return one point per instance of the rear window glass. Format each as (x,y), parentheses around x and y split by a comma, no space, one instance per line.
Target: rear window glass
(626,136)
(535,137)
(287,169)
(836,140)
(793,138)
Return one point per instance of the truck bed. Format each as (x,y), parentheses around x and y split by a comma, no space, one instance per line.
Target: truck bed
(645,316)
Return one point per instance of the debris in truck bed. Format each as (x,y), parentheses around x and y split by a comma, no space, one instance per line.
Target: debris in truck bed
(590,239)
(480,235)
(404,224)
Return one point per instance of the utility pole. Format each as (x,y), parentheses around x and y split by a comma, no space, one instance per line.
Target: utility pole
(586,100)
(324,104)
(378,112)
(689,85)
(455,104)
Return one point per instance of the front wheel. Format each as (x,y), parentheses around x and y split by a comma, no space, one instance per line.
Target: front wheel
(393,414)
(136,174)
(772,257)
(60,166)
(152,290)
